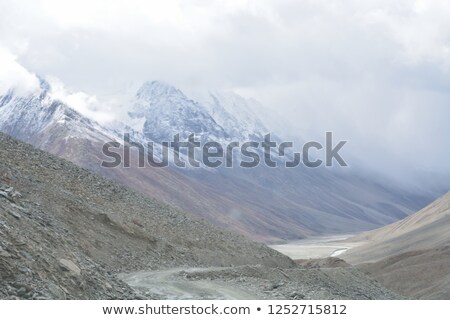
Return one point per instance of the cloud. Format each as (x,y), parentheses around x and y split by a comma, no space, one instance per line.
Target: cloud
(376,72)
(87,105)
(14,76)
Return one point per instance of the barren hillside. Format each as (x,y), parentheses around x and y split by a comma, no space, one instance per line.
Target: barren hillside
(423,274)
(427,229)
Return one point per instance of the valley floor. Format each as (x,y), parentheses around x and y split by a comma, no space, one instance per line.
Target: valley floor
(317,247)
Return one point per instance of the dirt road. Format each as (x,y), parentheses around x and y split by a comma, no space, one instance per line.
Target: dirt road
(173,284)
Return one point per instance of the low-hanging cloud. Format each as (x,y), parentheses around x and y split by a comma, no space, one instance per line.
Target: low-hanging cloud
(15,77)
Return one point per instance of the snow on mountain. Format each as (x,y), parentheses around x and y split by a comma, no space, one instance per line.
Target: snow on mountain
(25,116)
(165,111)
(236,114)
(158,112)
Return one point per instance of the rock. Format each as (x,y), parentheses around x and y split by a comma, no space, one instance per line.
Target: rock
(15,194)
(9,193)
(24,270)
(14,214)
(26,255)
(296,295)
(24,210)
(275,285)
(56,292)
(70,266)
(64,289)
(22,292)
(4,254)
(5,195)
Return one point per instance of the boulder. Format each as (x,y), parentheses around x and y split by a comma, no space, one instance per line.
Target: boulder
(70,266)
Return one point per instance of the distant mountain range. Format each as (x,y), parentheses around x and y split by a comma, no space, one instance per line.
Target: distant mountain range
(267,204)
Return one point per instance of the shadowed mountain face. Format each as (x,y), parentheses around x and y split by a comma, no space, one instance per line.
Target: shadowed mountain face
(263,203)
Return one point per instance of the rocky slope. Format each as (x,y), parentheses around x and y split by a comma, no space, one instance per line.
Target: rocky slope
(64,231)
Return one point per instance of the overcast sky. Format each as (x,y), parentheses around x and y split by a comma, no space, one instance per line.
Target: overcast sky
(377,73)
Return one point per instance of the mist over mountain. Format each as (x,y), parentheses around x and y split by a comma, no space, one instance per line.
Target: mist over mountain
(268,204)
(373,73)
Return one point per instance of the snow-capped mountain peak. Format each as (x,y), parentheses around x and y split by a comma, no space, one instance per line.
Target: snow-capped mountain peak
(30,117)
(167,111)
(154,89)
